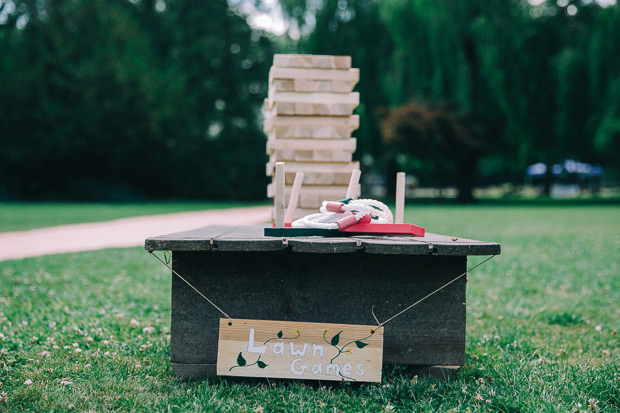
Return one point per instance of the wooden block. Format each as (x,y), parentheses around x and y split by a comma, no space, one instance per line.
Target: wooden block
(309,109)
(309,201)
(331,193)
(342,179)
(341,86)
(321,86)
(315,98)
(293,198)
(342,62)
(350,75)
(352,121)
(284,155)
(307,167)
(310,86)
(283,109)
(279,198)
(303,156)
(325,178)
(299,350)
(283,85)
(324,133)
(317,178)
(404,229)
(312,61)
(346,145)
(310,132)
(322,156)
(339,156)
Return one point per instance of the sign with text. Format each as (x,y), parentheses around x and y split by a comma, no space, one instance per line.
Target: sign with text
(298,350)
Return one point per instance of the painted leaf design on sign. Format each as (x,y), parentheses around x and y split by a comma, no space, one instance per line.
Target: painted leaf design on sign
(240,360)
(360,344)
(336,339)
(280,334)
(261,365)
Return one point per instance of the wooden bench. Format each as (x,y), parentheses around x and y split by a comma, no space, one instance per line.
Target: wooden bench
(314,279)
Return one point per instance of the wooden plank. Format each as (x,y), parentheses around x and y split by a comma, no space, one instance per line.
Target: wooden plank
(311,109)
(319,178)
(289,155)
(352,121)
(400,198)
(279,198)
(309,85)
(329,192)
(231,238)
(448,245)
(350,75)
(353,182)
(249,238)
(324,245)
(393,245)
(199,239)
(314,98)
(293,198)
(342,86)
(393,229)
(311,201)
(283,85)
(312,61)
(306,167)
(324,133)
(348,145)
(299,350)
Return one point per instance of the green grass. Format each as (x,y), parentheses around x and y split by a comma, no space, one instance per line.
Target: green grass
(24,216)
(542,332)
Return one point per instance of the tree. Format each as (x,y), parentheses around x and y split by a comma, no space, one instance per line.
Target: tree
(116,100)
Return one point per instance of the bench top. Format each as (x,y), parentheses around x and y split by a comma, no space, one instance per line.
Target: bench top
(251,238)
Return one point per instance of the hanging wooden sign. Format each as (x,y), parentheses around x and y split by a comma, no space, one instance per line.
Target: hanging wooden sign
(298,350)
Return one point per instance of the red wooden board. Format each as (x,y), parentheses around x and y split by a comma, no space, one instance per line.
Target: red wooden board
(409,229)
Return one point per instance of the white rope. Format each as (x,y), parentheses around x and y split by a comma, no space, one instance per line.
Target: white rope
(378,211)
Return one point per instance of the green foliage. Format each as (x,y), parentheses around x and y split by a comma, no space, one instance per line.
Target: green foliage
(555,260)
(111,100)
(121,100)
(535,83)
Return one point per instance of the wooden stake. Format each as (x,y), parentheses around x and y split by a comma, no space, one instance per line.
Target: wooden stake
(292,200)
(400,198)
(279,198)
(355,179)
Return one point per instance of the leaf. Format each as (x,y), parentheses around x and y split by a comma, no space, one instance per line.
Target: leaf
(360,344)
(280,334)
(261,365)
(240,360)
(336,339)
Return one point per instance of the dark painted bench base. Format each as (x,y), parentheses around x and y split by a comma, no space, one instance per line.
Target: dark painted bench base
(324,280)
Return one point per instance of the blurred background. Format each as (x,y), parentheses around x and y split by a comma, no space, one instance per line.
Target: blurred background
(132,100)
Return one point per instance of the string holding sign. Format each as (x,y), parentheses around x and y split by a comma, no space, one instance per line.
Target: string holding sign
(167,264)
(427,296)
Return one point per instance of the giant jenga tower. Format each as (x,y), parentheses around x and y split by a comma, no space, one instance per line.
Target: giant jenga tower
(309,120)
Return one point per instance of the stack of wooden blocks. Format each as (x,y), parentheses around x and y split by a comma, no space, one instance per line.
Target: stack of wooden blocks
(309,120)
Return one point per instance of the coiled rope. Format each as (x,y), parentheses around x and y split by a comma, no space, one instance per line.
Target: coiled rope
(366,210)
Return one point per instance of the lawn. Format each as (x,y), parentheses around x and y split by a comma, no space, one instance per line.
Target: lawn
(15,216)
(90,331)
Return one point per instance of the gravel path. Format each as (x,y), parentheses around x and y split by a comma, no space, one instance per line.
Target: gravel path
(119,233)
